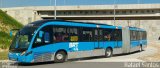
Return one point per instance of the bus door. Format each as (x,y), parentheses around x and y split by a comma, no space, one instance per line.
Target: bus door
(98,39)
(118,38)
(41,46)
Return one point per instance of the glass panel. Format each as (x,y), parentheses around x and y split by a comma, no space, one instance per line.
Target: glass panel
(45,38)
(59,34)
(73,34)
(87,34)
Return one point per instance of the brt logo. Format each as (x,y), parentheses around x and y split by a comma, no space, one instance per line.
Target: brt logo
(73,46)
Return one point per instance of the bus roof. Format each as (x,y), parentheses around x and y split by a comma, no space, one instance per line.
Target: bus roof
(137,29)
(72,23)
(41,22)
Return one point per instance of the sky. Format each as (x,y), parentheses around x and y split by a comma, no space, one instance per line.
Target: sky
(21,3)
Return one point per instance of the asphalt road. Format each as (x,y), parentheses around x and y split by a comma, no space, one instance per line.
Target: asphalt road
(117,61)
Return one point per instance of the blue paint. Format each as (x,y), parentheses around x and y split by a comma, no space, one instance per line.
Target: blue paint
(71,46)
(41,34)
(136,29)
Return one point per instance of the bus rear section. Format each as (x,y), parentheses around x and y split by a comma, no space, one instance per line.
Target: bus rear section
(134,39)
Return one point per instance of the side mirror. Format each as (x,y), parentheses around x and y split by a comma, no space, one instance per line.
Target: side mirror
(41,34)
(11,33)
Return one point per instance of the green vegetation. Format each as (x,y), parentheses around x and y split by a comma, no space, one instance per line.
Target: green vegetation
(6,24)
(8,20)
(5,40)
(4,55)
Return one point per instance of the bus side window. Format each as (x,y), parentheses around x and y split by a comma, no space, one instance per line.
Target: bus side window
(39,37)
(144,37)
(73,34)
(43,37)
(100,35)
(61,34)
(118,35)
(87,34)
(46,37)
(107,35)
(141,35)
(38,41)
(132,35)
(58,37)
(66,37)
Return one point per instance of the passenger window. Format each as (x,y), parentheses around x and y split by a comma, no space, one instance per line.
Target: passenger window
(100,35)
(144,37)
(43,37)
(133,35)
(107,35)
(73,34)
(87,34)
(60,34)
(141,35)
(118,35)
(65,34)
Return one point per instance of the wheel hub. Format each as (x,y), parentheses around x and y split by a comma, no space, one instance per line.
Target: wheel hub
(108,52)
(59,56)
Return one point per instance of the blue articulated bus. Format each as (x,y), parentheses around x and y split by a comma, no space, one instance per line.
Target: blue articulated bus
(58,40)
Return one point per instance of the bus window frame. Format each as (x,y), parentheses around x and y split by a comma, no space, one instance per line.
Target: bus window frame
(34,45)
(81,34)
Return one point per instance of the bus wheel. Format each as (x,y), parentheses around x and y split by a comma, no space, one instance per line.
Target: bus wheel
(140,48)
(60,57)
(108,52)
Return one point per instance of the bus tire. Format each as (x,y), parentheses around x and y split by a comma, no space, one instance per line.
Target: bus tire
(108,52)
(60,57)
(140,48)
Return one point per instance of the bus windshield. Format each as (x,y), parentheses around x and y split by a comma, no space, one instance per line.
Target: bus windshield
(22,39)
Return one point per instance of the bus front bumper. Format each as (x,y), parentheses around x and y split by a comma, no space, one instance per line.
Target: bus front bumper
(17,57)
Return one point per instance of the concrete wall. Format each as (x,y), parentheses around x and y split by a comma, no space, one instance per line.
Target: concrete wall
(29,14)
(152,26)
(24,16)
